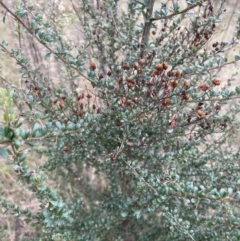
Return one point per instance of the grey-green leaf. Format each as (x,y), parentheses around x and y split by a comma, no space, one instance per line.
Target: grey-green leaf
(3,152)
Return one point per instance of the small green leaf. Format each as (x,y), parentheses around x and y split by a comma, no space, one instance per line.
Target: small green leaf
(237,90)
(59,48)
(223,193)
(71,126)
(24,134)
(175,6)
(47,56)
(124,214)
(2,131)
(8,132)
(44,130)
(17,143)
(225,93)
(193,200)
(4,17)
(59,125)
(137,214)
(3,152)
(236,57)
(35,127)
(30,99)
(230,191)
(31,143)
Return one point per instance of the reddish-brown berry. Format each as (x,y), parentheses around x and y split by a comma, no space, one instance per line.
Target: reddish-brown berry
(66,148)
(62,96)
(120,80)
(165,65)
(136,66)
(204,86)
(125,67)
(154,32)
(186,83)
(200,113)
(186,97)
(89,96)
(178,74)
(196,44)
(100,76)
(159,67)
(142,61)
(166,101)
(61,105)
(218,107)
(170,73)
(174,84)
(92,66)
(80,97)
(136,100)
(216,82)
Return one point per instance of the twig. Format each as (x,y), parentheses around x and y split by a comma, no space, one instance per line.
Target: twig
(184,230)
(175,13)
(34,36)
(141,177)
(147,27)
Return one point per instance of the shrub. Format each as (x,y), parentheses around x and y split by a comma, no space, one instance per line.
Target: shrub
(135,121)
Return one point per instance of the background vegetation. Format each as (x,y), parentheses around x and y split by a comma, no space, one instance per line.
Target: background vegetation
(120,120)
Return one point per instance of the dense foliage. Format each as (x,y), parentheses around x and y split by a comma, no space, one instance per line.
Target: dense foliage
(132,116)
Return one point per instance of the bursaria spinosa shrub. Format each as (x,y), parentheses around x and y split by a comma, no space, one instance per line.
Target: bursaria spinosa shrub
(132,108)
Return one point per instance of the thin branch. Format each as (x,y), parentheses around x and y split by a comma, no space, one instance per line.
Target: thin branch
(149,20)
(75,10)
(182,227)
(174,14)
(216,99)
(214,68)
(45,45)
(141,177)
(147,27)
